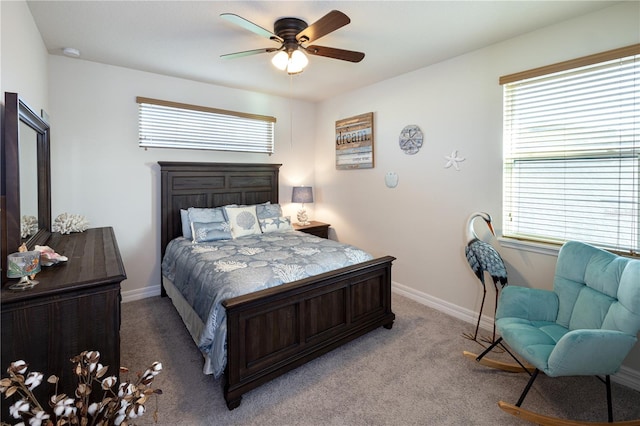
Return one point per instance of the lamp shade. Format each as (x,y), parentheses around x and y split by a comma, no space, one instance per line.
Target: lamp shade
(302,194)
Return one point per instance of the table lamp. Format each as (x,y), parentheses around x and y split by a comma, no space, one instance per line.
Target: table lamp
(21,265)
(302,194)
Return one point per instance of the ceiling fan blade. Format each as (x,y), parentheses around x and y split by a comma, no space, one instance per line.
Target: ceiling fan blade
(330,52)
(248,25)
(323,26)
(248,52)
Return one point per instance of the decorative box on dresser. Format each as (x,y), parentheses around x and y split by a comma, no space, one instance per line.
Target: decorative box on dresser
(319,229)
(74,308)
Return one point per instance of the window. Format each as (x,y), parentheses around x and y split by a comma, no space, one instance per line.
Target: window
(165,124)
(572,152)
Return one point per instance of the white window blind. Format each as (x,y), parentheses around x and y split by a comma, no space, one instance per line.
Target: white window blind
(164,124)
(572,154)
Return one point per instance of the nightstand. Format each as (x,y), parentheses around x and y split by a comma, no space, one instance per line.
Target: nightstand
(319,229)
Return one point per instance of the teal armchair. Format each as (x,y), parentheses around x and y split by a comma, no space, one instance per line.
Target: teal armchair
(586,326)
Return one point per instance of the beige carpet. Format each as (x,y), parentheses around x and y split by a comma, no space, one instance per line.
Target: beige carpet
(413,374)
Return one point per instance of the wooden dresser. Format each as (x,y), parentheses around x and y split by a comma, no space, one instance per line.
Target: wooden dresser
(75,307)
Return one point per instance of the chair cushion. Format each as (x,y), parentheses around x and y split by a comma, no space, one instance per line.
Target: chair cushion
(589,352)
(534,340)
(590,309)
(587,282)
(624,315)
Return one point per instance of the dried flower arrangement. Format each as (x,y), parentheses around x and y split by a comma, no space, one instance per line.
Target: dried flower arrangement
(66,223)
(119,404)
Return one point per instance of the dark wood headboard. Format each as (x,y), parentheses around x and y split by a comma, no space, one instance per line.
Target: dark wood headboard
(185,185)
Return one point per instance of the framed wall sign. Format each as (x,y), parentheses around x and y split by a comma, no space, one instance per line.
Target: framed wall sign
(354,142)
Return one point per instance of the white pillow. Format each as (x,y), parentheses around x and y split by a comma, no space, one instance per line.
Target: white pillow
(243,220)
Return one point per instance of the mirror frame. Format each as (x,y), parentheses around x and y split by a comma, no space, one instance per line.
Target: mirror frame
(16,111)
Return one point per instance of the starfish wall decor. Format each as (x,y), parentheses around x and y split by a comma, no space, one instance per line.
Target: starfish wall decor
(453,160)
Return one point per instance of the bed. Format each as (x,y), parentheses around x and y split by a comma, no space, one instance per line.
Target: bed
(274,330)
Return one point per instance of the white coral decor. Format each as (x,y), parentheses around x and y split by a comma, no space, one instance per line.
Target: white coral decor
(28,226)
(66,223)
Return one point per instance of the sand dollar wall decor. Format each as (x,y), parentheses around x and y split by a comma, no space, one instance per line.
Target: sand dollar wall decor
(411,139)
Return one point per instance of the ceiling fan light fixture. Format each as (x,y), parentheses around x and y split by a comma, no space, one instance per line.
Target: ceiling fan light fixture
(297,62)
(293,62)
(280,60)
(293,34)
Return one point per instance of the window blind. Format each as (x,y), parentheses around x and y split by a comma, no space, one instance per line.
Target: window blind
(164,124)
(572,155)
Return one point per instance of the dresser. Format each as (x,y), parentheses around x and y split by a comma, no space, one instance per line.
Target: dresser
(74,308)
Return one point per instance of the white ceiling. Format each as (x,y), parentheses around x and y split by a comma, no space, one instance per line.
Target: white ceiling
(186,38)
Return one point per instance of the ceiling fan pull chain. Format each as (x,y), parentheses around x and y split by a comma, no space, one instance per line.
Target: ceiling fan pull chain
(291,109)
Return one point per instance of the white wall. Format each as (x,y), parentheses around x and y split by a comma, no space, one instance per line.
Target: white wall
(99,171)
(458,105)
(23,59)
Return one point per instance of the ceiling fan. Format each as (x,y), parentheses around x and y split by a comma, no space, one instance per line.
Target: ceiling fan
(294,34)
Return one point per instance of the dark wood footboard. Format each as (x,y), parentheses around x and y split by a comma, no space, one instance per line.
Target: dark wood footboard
(276,330)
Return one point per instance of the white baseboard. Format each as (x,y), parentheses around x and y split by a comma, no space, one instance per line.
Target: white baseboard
(626,376)
(448,308)
(141,293)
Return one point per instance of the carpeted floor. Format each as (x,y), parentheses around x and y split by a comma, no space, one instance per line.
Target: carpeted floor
(413,374)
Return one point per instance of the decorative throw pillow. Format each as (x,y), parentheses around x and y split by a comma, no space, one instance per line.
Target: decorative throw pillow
(210,231)
(268,210)
(275,224)
(243,221)
(197,214)
(224,211)
(186,224)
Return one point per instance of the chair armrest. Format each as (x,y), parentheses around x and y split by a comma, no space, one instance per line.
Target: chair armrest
(589,352)
(527,303)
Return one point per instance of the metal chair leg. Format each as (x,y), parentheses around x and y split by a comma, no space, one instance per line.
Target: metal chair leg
(499,342)
(526,389)
(486,351)
(609,404)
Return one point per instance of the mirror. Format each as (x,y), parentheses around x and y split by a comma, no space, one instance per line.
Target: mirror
(26,173)
(28,159)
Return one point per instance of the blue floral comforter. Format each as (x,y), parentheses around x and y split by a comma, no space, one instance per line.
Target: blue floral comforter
(206,274)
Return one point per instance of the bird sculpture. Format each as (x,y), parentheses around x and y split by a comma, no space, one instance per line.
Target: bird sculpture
(483,257)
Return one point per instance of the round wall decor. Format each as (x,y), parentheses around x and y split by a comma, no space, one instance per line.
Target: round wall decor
(411,139)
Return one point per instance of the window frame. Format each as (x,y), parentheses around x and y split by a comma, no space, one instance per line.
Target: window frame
(550,245)
(167,124)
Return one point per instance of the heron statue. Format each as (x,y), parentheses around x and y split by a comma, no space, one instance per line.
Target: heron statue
(483,257)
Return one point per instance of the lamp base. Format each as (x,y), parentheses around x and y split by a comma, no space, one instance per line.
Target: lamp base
(24,284)
(303,219)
